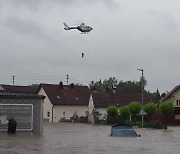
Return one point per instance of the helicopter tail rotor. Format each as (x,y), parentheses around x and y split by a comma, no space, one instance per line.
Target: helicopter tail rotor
(66,27)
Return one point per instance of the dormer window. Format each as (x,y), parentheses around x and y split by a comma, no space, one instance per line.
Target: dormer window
(76,98)
(58,97)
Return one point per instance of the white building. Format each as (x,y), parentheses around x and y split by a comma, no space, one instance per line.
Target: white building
(63,102)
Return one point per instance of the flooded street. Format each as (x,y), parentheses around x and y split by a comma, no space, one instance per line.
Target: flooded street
(71,138)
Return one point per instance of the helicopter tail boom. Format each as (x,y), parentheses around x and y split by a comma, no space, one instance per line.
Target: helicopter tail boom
(66,27)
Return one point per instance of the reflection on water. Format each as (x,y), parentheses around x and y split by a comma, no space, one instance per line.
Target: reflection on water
(70,138)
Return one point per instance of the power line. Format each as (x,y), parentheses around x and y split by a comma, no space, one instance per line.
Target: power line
(11,79)
(31,78)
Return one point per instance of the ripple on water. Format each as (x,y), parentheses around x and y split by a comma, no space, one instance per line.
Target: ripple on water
(70,138)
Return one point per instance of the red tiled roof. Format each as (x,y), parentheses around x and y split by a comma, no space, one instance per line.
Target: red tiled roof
(67,95)
(107,99)
(79,95)
(17,89)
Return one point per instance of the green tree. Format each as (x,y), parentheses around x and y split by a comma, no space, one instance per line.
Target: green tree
(124,111)
(112,110)
(156,96)
(150,108)
(128,87)
(134,108)
(96,85)
(166,108)
(105,86)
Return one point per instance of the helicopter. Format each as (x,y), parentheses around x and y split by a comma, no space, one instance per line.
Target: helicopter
(82,28)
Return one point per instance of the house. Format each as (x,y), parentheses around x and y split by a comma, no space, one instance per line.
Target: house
(23,105)
(63,102)
(101,101)
(174,96)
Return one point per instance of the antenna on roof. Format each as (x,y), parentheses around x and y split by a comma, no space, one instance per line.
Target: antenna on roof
(13,79)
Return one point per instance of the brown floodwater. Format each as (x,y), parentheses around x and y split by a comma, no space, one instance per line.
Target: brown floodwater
(72,138)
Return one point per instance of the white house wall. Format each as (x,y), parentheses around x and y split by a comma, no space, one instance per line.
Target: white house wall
(64,111)
(176,96)
(47,106)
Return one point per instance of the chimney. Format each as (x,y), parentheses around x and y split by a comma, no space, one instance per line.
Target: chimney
(163,95)
(72,85)
(61,85)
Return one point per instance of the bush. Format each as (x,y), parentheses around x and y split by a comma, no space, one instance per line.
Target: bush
(116,120)
(150,108)
(157,124)
(134,108)
(166,108)
(154,124)
(112,110)
(124,111)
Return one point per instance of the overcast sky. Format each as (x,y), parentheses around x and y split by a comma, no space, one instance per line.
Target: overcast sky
(126,35)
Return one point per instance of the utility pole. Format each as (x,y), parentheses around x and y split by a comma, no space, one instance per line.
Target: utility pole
(142,84)
(13,79)
(67,78)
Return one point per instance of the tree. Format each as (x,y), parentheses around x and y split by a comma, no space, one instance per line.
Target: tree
(112,110)
(124,111)
(134,108)
(156,96)
(96,85)
(105,86)
(108,86)
(150,108)
(166,108)
(110,83)
(128,87)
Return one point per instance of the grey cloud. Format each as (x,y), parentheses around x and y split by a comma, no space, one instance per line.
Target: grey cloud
(32,4)
(22,27)
(167,19)
(127,35)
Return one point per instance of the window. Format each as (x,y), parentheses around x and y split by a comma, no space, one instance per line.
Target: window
(76,98)
(48,114)
(58,97)
(177,102)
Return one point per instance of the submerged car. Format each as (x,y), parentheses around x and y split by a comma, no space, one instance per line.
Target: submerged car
(123,131)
